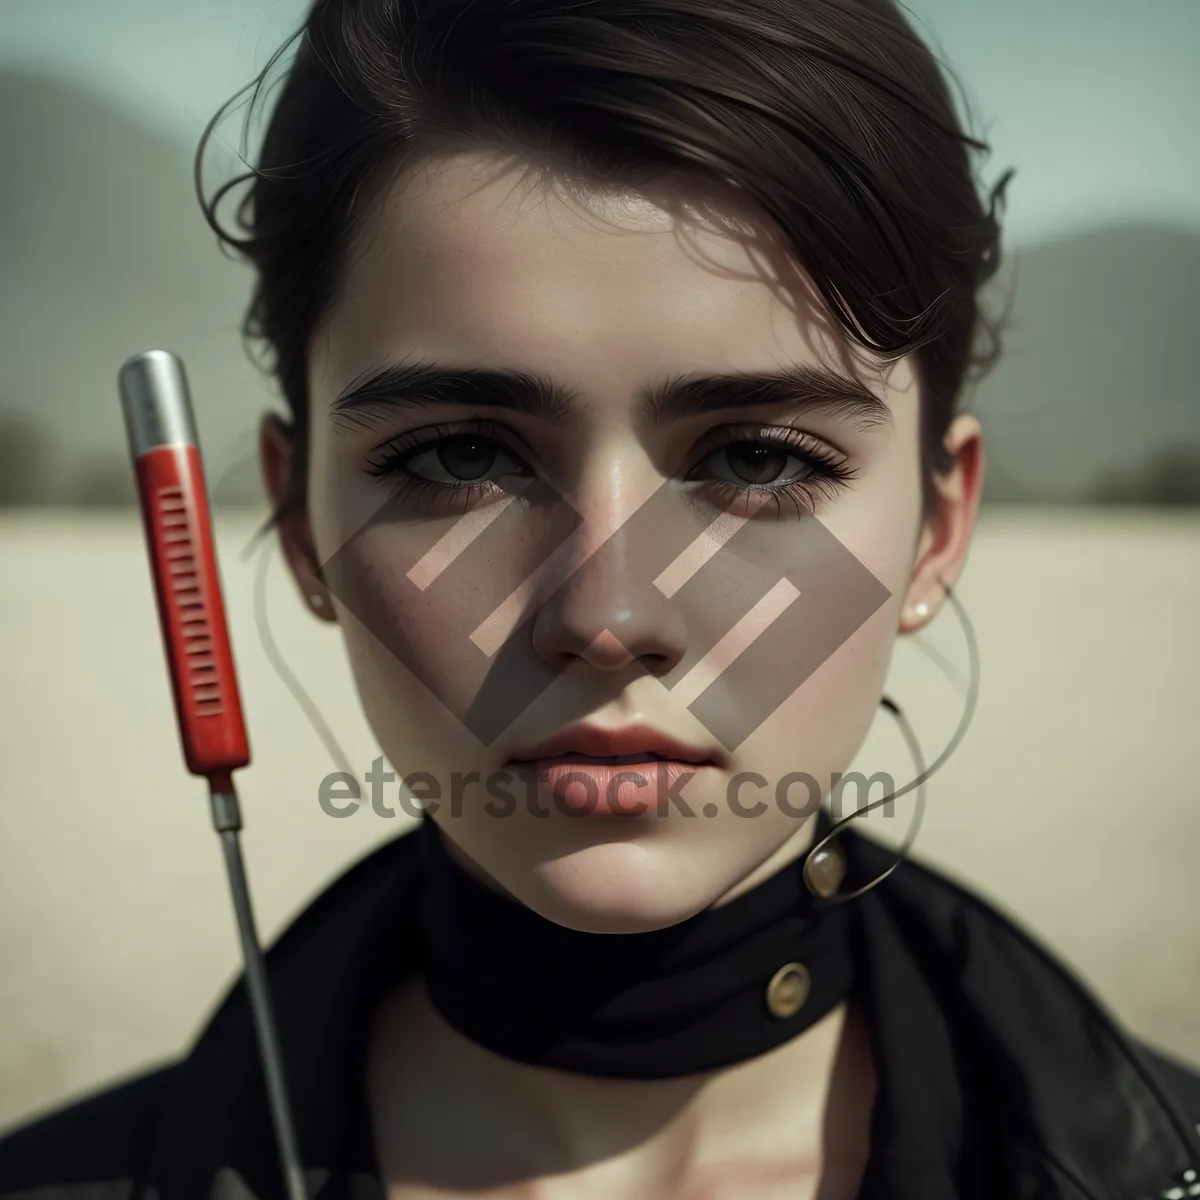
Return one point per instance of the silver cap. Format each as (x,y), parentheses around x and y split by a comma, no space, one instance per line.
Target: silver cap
(155,399)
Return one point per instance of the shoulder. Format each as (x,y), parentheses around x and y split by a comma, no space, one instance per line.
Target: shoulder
(93,1147)
(1030,1007)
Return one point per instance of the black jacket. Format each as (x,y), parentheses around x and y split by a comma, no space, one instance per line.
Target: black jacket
(1058,1102)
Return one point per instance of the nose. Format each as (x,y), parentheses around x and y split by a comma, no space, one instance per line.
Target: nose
(608,612)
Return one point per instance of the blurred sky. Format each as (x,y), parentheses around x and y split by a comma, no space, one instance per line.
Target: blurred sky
(1096,101)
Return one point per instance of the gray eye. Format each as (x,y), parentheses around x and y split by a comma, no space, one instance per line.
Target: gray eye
(754,464)
(462,459)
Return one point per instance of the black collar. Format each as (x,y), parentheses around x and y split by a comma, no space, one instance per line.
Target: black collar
(725,986)
(991,1057)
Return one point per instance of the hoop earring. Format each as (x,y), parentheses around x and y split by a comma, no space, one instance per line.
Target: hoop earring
(825,865)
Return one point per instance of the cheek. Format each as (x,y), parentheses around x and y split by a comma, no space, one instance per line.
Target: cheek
(400,586)
(821,726)
(434,609)
(824,721)
(413,637)
(414,732)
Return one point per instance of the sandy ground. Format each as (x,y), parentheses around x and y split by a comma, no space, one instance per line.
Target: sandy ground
(1073,800)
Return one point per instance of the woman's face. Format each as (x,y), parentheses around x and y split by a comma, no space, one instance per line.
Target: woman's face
(603,493)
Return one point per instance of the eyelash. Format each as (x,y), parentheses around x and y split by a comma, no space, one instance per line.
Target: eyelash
(827,475)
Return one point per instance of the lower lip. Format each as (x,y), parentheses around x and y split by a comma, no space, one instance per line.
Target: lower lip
(612,789)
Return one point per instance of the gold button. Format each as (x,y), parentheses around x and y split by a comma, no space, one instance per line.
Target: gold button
(788,990)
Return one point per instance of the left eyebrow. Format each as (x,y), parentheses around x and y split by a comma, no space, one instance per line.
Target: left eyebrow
(802,385)
(798,386)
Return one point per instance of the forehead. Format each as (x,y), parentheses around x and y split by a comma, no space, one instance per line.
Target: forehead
(475,256)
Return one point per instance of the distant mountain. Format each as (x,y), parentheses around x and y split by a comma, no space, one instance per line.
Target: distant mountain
(104,253)
(1099,376)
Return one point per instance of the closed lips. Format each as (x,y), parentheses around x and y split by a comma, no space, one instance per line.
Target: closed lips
(633,744)
(618,760)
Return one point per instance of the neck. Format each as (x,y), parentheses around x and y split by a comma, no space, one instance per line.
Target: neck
(803,1107)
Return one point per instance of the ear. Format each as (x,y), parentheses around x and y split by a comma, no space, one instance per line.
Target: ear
(946,535)
(277,459)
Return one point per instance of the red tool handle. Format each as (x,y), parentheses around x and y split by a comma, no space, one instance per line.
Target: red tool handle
(170,478)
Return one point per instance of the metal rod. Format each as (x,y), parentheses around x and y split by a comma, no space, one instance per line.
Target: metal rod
(227,821)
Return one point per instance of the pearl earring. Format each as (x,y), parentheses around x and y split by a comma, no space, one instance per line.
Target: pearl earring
(317,600)
(918,612)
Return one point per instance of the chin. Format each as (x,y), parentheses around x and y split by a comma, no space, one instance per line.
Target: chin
(615,888)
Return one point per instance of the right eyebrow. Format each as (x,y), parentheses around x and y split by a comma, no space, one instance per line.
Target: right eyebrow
(420,384)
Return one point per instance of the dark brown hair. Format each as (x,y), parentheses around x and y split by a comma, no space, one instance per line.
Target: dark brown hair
(832,116)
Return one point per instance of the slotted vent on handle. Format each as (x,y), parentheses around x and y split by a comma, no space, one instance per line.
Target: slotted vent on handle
(189,605)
